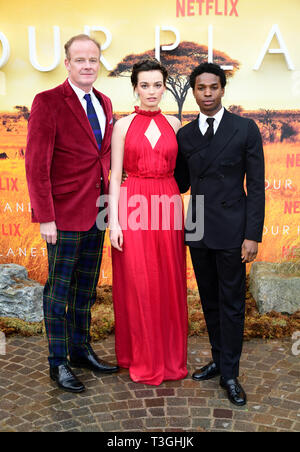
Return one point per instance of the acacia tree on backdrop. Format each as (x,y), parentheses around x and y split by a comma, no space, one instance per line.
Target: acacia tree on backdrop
(236,109)
(268,120)
(179,62)
(288,131)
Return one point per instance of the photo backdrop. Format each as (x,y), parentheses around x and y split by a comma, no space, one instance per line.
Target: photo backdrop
(256,41)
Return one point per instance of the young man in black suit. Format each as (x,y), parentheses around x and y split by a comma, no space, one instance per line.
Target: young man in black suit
(216,151)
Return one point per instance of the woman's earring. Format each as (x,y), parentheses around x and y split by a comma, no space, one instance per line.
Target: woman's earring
(136,95)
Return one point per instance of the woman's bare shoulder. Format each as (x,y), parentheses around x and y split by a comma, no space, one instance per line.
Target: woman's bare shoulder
(174,122)
(122,124)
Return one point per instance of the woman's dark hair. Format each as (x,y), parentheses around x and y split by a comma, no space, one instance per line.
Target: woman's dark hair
(150,64)
(211,68)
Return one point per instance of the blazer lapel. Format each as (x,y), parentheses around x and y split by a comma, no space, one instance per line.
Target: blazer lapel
(195,139)
(224,134)
(78,111)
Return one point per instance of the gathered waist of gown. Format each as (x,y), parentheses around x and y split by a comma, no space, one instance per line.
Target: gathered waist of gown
(151,176)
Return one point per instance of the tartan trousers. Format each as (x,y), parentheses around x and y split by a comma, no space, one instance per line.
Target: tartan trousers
(70,291)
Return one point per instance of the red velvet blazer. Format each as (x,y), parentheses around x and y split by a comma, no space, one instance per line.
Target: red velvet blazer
(63,163)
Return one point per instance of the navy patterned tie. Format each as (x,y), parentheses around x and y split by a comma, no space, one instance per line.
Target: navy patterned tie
(92,117)
(210,130)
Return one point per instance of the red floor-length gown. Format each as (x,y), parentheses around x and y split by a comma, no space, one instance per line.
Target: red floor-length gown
(149,275)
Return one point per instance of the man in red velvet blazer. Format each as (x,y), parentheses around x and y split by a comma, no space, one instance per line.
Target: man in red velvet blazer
(67,167)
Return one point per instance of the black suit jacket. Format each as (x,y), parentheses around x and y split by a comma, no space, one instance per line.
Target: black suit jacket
(217,170)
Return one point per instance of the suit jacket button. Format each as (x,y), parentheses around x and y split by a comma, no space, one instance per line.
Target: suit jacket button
(223,203)
(97,185)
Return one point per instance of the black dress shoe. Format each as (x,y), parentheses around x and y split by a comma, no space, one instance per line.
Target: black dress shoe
(206,372)
(65,379)
(235,392)
(91,361)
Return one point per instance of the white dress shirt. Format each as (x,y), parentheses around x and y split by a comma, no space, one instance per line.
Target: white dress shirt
(96,104)
(203,124)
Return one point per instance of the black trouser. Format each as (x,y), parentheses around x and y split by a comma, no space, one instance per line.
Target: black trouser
(221,278)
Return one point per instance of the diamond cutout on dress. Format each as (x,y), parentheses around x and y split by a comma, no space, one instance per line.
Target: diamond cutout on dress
(153,133)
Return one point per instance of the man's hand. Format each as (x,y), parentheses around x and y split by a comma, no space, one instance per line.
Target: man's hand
(249,250)
(49,232)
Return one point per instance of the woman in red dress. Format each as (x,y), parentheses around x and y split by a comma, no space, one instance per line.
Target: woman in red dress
(147,237)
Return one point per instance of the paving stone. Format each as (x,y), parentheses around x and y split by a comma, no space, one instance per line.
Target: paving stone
(135,404)
(244,427)
(180,422)
(200,412)
(284,424)
(138,413)
(264,429)
(223,414)
(31,402)
(91,428)
(154,402)
(176,401)
(264,419)
(121,415)
(182,392)
(52,428)
(197,401)
(201,423)
(156,422)
(168,392)
(156,411)
(124,395)
(102,417)
(177,411)
(132,424)
(113,426)
(118,406)
(222,424)
(100,408)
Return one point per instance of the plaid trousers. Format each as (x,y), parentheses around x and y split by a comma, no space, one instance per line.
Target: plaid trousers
(70,291)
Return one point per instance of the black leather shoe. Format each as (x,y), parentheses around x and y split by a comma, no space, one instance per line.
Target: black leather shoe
(65,379)
(206,372)
(235,392)
(91,361)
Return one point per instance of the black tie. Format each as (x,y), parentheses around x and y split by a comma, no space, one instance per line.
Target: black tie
(210,130)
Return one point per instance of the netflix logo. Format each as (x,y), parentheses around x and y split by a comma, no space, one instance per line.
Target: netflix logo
(12,230)
(206,8)
(9,184)
(293,160)
(292,207)
(290,252)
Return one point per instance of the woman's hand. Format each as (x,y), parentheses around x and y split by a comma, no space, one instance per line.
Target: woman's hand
(116,237)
